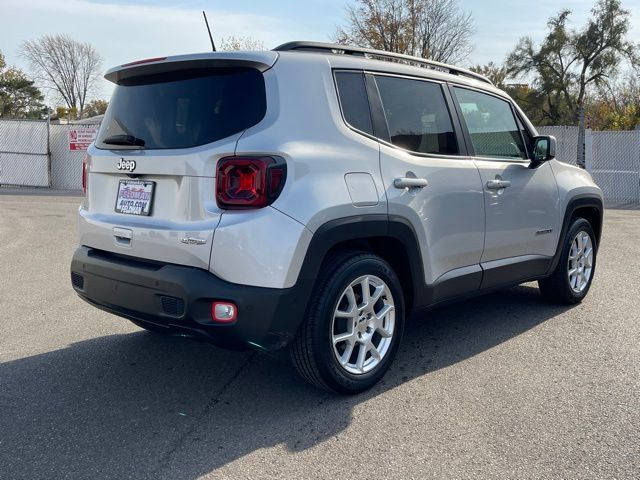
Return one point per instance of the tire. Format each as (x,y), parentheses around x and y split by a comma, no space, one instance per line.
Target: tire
(571,280)
(337,310)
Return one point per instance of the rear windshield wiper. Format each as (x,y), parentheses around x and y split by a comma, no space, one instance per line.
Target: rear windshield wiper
(129,140)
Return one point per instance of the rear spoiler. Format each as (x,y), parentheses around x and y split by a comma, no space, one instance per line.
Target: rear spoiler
(261,61)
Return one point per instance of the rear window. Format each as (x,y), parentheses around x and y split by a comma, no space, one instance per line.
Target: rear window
(182,109)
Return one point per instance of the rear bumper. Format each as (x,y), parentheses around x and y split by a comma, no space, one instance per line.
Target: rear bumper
(179,298)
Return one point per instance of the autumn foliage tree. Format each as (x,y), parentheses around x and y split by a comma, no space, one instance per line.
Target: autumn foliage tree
(95,107)
(617,104)
(569,62)
(495,73)
(433,29)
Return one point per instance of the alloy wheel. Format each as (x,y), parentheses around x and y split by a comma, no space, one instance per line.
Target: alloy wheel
(580,263)
(363,324)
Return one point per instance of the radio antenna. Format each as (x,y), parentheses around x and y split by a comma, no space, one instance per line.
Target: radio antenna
(213,45)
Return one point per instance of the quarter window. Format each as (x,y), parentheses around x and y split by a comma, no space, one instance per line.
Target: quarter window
(354,101)
(491,125)
(417,115)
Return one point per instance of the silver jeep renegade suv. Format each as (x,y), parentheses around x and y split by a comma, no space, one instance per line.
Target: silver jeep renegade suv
(313,196)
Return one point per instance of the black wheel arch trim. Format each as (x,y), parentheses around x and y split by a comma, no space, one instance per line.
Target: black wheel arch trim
(360,227)
(364,227)
(585,200)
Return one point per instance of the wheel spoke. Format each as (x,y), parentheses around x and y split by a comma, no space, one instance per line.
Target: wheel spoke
(366,293)
(588,257)
(362,352)
(384,311)
(346,355)
(384,333)
(351,297)
(377,293)
(343,314)
(585,241)
(374,352)
(344,337)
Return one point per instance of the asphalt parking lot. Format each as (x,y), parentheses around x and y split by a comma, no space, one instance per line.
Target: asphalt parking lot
(503,386)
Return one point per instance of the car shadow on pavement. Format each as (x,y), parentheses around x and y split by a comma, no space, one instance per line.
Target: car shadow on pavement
(141,405)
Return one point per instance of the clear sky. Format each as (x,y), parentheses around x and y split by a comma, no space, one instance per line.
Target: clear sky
(128,30)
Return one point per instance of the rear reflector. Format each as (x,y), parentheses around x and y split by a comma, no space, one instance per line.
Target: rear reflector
(224,312)
(249,182)
(146,60)
(84,175)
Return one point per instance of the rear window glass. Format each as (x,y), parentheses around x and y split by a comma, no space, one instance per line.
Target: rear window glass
(182,109)
(354,101)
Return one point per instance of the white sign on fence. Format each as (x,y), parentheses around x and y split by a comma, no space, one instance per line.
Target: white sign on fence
(81,138)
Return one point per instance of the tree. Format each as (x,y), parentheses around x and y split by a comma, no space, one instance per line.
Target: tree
(569,62)
(433,29)
(493,72)
(66,113)
(19,98)
(241,43)
(95,107)
(617,105)
(64,65)
(532,101)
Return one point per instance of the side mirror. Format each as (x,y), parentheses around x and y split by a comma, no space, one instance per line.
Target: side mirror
(544,149)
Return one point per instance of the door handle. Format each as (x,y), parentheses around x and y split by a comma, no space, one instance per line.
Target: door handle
(498,184)
(406,182)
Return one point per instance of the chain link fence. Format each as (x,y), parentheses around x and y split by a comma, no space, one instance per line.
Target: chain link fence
(612,158)
(567,148)
(66,165)
(616,165)
(24,153)
(37,154)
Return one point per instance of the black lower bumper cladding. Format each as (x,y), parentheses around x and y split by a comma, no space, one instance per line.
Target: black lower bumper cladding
(180,297)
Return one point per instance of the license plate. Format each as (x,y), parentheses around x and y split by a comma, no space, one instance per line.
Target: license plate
(134,197)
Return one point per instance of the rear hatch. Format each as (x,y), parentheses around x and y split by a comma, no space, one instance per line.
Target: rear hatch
(151,172)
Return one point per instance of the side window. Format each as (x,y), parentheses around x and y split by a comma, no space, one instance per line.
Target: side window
(491,125)
(417,115)
(353,100)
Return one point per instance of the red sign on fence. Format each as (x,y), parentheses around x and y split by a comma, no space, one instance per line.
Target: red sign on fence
(81,138)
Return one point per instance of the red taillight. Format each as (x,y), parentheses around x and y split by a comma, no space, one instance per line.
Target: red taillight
(84,175)
(249,182)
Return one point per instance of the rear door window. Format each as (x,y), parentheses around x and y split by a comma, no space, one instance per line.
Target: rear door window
(491,125)
(417,115)
(353,100)
(182,109)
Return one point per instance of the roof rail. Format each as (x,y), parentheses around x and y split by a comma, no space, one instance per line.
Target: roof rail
(378,55)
